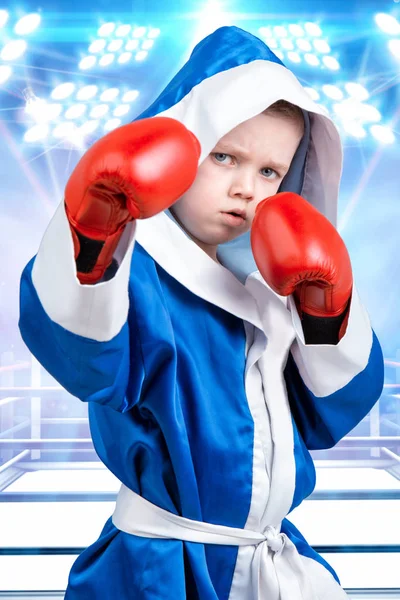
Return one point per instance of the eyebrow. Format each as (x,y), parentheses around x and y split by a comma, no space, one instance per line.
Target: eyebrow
(245,153)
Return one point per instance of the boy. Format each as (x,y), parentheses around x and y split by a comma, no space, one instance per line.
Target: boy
(208,380)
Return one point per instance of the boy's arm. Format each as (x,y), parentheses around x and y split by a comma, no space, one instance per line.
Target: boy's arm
(79,333)
(334,381)
(333,386)
(73,310)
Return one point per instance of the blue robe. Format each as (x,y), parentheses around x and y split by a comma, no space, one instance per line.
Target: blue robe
(203,396)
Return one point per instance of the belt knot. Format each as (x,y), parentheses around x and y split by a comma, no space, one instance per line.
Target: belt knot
(274,540)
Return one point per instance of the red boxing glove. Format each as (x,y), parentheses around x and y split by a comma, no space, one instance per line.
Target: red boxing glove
(298,251)
(133,172)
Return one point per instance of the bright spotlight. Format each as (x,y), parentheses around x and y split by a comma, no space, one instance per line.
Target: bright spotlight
(141,55)
(13,50)
(331,63)
(112,124)
(294,57)
(87,92)
(97,46)
(311,59)
(131,45)
(357,91)
(106,60)
(312,93)
(322,46)
(382,134)
(139,32)
(109,95)
(130,96)
(303,44)
(87,62)
(280,31)
(75,111)
(62,91)
(36,133)
(3,17)
(121,110)
(27,24)
(369,113)
(332,91)
(124,57)
(153,33)
(313,29)
(147,44)
(287,44)
(5,73)
(271,43)
(355,130)
(394,47)
(106,29)
(64,130)
(387,23)
(114,45)
(122,30)
(88,127)
(99,111)
(296,30)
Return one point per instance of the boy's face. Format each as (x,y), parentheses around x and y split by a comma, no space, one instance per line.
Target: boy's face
(246,166)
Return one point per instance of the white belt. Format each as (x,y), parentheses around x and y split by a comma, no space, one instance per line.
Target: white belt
(281,566)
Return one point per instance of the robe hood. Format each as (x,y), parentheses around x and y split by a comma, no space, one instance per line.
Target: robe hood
(232,76)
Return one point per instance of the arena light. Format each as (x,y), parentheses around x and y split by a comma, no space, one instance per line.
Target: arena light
(332,91)
(357,91)
(313,29)
(125,57)
(4,16)
(121,110)
(387,23)
(355,130)
(75,111)
(27,24)
(331,63)
(153,33)
(314,95)
(97,46)
(87,92)
(294,57)
(312,59)
(62,91)
(300,43)
(383,134)
(112,124)
(106,29)
(141,55)
(123,30)
(99,111)
(36,133)
(87,62)
(13,50)
(394,47)
(109,95)
(303,44)
(296,30)
(5,73)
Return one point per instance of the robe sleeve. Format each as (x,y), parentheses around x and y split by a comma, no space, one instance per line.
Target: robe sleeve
(79,333)
(331,388)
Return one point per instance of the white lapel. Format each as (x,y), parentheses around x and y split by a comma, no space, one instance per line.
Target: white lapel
(169,246)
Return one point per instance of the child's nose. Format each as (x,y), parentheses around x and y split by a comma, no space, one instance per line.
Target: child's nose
(243,185)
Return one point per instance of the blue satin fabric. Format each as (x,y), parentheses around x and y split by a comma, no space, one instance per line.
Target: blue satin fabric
(226,48)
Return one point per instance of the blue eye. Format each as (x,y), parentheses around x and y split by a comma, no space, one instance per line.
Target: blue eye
(218,155)
(271,171)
